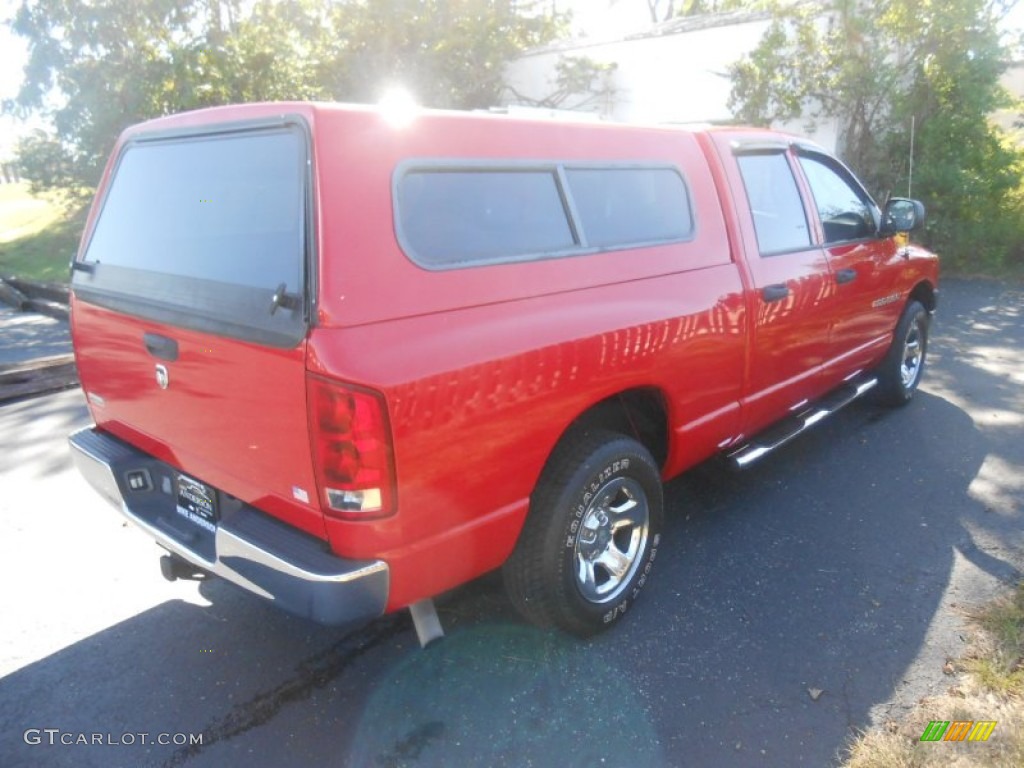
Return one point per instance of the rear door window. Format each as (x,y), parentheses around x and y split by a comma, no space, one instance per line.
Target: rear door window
(775,203)
(204,231)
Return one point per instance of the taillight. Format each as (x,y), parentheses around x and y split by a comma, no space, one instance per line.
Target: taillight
(352,452)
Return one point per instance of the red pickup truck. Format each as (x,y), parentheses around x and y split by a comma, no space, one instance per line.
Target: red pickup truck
(349,363)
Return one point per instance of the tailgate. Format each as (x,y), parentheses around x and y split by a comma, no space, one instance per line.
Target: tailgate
(190,310)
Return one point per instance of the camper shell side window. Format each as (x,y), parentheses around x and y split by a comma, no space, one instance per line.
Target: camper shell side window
(451,214)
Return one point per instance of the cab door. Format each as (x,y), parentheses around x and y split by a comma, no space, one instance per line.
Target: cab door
(862,267)
(791,283)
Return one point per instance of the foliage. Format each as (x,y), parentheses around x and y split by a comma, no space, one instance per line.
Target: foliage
(451,53)
(95,68)
(880,68)
(45,162)
(112,62)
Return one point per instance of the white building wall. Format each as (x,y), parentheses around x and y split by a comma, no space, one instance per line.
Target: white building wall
(661,78)
(1010,119)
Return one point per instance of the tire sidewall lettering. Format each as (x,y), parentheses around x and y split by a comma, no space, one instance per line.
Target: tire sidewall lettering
(543,575)
(590,490)
(608,614)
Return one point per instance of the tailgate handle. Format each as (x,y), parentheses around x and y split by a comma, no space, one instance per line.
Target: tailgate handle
(161,346)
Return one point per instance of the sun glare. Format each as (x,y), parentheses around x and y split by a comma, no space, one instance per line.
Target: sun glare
(398,106)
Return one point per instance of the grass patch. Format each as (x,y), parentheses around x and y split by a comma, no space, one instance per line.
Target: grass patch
(38,234)
(999,666)
(989,686)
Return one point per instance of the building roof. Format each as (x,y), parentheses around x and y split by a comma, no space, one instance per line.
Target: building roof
(680,25)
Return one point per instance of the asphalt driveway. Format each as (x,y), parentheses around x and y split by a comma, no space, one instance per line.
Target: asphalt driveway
(815,594)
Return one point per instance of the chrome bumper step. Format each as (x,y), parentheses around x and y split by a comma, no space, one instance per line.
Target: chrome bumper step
(248,547)
(782,432)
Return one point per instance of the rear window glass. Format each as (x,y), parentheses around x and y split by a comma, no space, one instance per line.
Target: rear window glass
(620,206)
(224,208)
(452,216)
(449,217)
(208,232)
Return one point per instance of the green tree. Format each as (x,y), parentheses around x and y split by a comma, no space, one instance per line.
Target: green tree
(880,68)
(276,51)
(104,66)
(449,53)
(95,68)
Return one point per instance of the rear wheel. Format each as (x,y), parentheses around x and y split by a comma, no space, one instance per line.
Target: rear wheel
(589,542)
(900,371)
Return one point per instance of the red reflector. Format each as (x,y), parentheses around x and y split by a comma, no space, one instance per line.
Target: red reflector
(352,450)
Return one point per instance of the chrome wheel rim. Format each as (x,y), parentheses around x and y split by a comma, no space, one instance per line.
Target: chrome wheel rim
(611,540)
(913,355)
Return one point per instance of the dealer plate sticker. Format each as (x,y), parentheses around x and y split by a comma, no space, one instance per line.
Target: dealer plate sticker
(197,502)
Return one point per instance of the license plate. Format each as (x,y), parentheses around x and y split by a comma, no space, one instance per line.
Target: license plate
(197,502)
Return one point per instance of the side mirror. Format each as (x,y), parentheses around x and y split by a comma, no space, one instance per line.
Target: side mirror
(901,215)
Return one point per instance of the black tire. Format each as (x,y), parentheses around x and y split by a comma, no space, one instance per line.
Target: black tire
(591,537)
(900,372)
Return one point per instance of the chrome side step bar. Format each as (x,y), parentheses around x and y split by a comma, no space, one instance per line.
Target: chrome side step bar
(781,433)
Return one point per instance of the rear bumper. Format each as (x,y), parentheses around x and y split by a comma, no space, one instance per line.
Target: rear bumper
(251,549)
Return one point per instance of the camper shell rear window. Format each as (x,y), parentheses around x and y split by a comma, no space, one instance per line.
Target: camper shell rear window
(450,215)
(208,231)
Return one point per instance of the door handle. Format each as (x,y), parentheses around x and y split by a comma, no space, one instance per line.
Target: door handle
(846,276)
(160,346)
(775,292)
